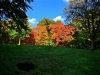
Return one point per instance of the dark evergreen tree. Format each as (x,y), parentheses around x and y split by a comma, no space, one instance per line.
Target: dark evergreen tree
(15,10)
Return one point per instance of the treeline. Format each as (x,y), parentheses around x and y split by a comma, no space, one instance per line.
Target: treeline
(47,32)
(82,32)
(87,14)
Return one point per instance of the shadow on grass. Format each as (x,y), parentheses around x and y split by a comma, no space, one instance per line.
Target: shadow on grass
(25,66)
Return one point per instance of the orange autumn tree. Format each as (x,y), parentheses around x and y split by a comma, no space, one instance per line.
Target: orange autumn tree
(43,30)
(41,35)
(63,34)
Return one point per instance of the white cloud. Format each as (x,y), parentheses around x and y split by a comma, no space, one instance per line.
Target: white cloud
(66,0)
(59,18)
(32,21)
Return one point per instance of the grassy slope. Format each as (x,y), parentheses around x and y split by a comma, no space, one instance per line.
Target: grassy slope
(58,61)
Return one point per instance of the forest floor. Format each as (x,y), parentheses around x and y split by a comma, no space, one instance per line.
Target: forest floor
(56,61)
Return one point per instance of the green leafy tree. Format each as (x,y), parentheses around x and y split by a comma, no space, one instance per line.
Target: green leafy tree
(81,36)
(59,22)
(87,11)
(44,21)
(16,33)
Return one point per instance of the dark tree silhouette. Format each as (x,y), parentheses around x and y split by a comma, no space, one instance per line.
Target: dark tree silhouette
(15,10)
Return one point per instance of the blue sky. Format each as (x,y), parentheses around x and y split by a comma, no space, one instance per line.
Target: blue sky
(52,9)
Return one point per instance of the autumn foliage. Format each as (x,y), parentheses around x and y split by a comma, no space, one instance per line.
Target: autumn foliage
(56,34)
(30,40)
(42,35)
(59,35)
(63,34)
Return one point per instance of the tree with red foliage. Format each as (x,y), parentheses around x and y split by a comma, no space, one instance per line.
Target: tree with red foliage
(30,40)
(63,34)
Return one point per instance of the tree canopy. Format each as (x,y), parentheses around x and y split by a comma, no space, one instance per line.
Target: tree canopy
(44,22)
(87,12)
(16,10)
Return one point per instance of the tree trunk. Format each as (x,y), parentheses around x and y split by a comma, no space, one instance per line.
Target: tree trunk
(49,44)
(19,41)
(93,45)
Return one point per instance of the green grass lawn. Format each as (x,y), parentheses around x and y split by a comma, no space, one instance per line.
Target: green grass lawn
(57,61)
